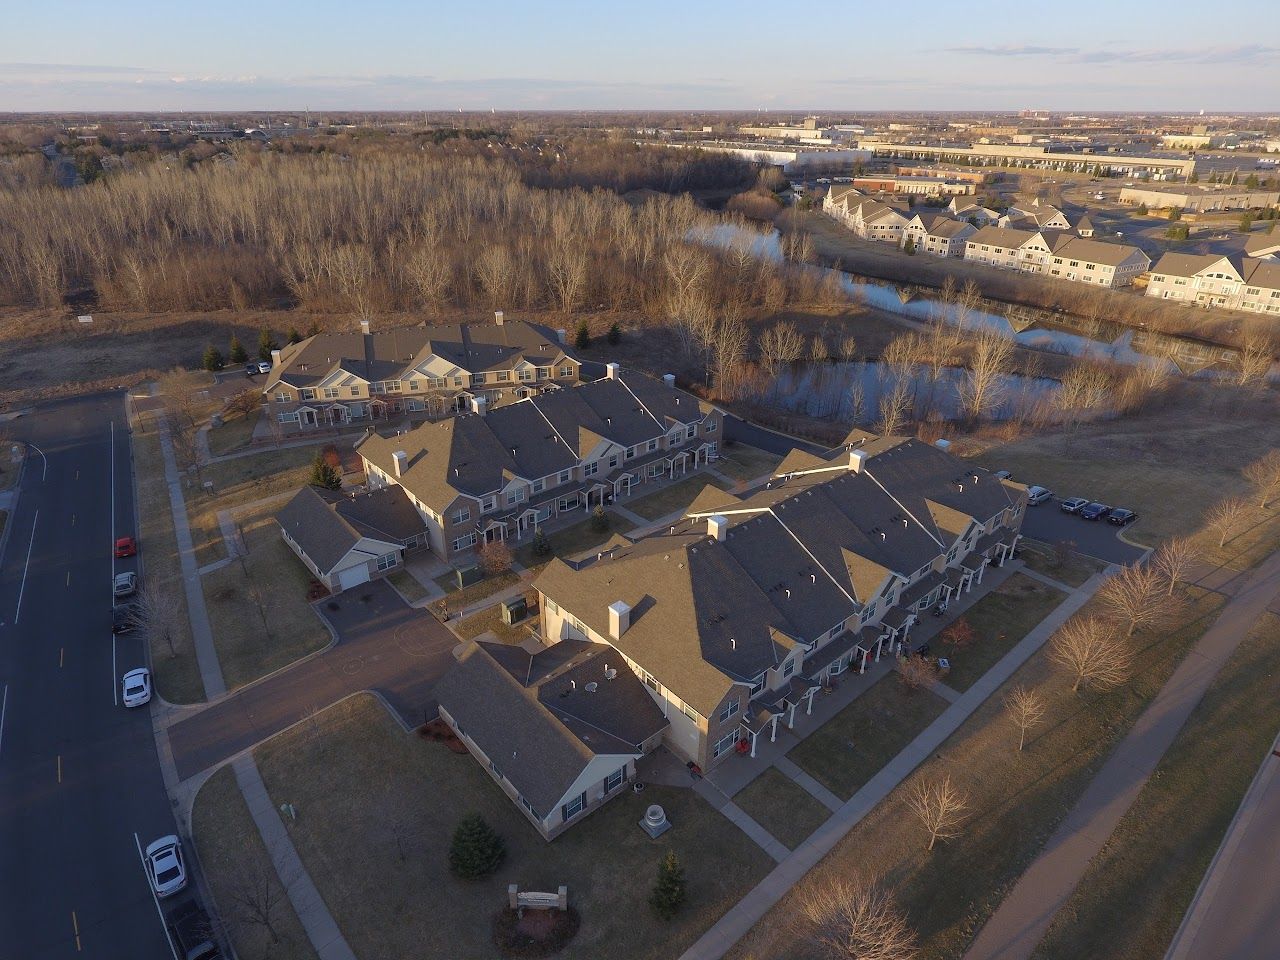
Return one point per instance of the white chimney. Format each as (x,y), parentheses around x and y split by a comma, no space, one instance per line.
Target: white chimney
(619,619)
(401,461)
(611,370)
(275,358)
(942,444)
(562,335)
(857,460)
(480,404)
(670,380)
(718,527)
(364,327)
(497,317)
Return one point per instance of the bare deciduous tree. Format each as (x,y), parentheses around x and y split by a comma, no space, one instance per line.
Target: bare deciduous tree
(854,920)
(1026,708)
(1225,516)
(258,896)
(1175,560)
(1089,648)
(894,408)
(917,672)
(781,344)
(158,614)
(940,805)
(1135,597)
(989,357)
(1255,361)
(1264,475)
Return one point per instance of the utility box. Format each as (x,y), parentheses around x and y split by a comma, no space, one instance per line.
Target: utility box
(465,576)
(514,610)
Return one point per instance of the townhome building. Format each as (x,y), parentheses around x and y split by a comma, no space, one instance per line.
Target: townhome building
(1057,254)
(868,218)
(1230,282)
(972,211)
(500,474)
(334,379)
(719,630)
(937,234)
(1035,217)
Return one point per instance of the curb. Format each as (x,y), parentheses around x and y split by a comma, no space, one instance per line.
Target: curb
(13,506)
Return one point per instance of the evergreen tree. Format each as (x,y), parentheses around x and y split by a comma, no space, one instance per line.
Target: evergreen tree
(1251,181)
(238,352)
(1246,222)
(541,545)
(1142,209)
(668,892)
(909,246)
(615,335)
(294,335)
(599,519)
(582,338)
(324,474)
(477,851)
(266,343)
(314,329)
(213,358)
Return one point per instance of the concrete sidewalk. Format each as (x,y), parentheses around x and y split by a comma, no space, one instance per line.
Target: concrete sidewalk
(750,909)
(1019,924)
(322,930)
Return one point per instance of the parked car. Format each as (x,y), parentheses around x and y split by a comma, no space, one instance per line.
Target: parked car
(1003,475)
(1121,517)
(250,369)
(125,584)
(1094,511)
(126,547)
(1074,504)
(1038,494)
(136,687)
(124,617)
(264,366)
(165,869)
(192,933)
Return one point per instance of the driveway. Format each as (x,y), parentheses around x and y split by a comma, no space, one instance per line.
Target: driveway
(384,645)
(1094,538)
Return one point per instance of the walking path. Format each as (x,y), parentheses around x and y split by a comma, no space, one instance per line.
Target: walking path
(816,790)
(740,819)
(322,930)
(738,921)
(1019,924)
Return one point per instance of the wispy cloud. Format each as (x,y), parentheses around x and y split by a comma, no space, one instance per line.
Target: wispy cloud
(1244,54)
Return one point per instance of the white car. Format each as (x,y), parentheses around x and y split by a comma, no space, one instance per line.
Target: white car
(1038,494)
(264,366)
(136,687)
(125,584)
(165,868)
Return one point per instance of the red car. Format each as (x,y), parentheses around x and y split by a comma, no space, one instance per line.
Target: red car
(126,547)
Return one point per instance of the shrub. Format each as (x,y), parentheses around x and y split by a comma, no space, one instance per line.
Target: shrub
(495,558)
(477,850)
(213,358)
(266,343)
(668,892)
(582,336)
(541,545)
(599,519)
(238,352)
(294,335)
(615,334)
(324,474)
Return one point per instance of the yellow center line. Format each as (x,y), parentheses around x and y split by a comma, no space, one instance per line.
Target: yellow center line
(75,926)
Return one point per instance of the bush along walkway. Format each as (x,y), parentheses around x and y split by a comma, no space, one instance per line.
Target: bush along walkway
(738,921)
(1020,923)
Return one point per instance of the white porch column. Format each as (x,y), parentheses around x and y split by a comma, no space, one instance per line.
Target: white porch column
(791,717)
(879,648)
(753,743)
(773,728)
(808,710)
(862,665)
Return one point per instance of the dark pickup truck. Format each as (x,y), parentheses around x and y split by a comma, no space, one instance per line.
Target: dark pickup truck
(192,933)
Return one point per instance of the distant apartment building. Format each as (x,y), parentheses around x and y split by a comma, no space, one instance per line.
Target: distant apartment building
(1031,157)
(1057,254)
(1199,198)
(867,217)
(337,379)
(1210,280)
(916,186)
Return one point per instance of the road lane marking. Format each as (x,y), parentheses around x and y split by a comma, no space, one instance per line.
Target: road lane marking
(44,474)
(59,768)
(61,653)
(4,706)
(22,589)
(73,519)
(155,899)
(75,926)
(68,578)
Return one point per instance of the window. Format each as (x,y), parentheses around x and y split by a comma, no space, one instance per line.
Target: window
(615,779)
(539,486)
(458,380)
(307,393)
(515,496)
(526,375)
(724,744)
(758,685)
(789,668)
(332,393)
(462,515)
(689,712)
(414,384)
(631,453)
(392,386)
(544,373)
(730,708)
(494,768)
(387,561)
(711,426)
(477,379)
(568,503)
(355,391)
(566,371)
(566,476)
(574,806)
(282,398)
(691,432)
(868,612)
(552,606)
(488,503)
(590,469)
(504,376)
(527,805)
(287,417)
(652,445)
(463,542)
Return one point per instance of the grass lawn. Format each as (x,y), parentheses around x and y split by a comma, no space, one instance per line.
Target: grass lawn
(4,519)
(744,462)
(1131,900)
(1000,619)
(1016,800)
(236,483)
(851,747)
(672,498)
(9,474)
(271,575)
(374,830)
(1040,558)
(490,619)
(235,433)
(177,677)
(571,541)
(236,863)
(473,592)
(408,585)
(782,807)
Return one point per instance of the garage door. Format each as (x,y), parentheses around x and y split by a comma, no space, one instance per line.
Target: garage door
(353,577)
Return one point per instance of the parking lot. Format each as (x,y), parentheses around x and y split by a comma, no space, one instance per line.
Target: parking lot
(1095,538)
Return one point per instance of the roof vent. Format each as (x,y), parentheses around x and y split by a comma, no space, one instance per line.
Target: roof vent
(592,687)
(610,673)
(670,380)
(857,460)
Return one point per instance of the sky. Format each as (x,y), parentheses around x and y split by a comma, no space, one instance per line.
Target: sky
(209,55)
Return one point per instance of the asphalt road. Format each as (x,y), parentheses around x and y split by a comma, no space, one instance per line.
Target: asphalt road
(1095,538)
(384,645)
(79,774)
